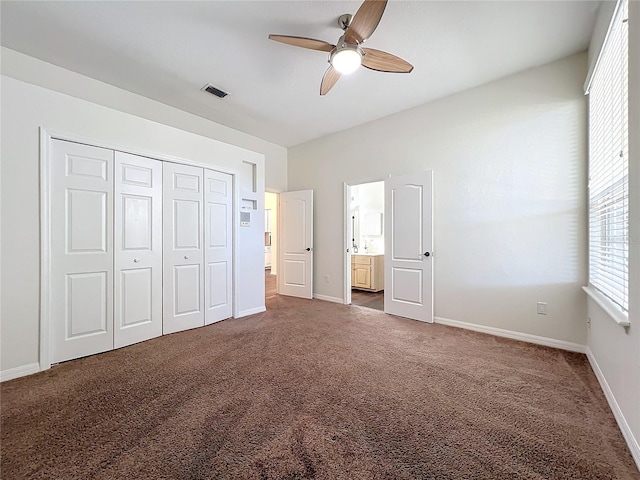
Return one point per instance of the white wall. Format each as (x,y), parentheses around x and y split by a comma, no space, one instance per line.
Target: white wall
(509,161)
(613,350)
(26,108)
(37,72)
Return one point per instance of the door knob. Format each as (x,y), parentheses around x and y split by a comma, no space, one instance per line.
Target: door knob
(308,249)
(426,254)
(136,260)
(186,257)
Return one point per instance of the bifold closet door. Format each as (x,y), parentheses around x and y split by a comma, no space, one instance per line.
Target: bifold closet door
(218,244)
(138,249)
(183,281)
(81,213)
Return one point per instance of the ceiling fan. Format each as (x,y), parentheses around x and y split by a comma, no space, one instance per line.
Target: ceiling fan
(348,54)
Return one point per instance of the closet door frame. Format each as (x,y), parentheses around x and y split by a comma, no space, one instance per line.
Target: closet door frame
(46,136)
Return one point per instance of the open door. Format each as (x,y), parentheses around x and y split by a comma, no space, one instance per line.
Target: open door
(295,277)
(408,260)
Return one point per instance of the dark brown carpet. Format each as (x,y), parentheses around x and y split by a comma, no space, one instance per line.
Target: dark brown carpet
(312,389)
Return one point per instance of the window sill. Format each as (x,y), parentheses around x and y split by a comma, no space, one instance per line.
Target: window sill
(616,315)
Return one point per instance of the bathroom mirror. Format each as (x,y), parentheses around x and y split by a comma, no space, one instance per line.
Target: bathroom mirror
(372,223)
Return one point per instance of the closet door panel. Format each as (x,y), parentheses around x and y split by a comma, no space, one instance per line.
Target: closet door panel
(219,245)
(183,248)
(137,298)
(81,250)
(138,238)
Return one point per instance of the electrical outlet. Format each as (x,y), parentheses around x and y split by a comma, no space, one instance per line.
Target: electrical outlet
(327,279)
(542,308)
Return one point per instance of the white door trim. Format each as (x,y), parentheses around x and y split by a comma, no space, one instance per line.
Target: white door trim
(45,249)
(348,235)
(46,136)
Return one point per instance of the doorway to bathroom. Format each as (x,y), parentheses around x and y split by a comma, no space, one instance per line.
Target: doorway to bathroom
(271,243)
(365,256)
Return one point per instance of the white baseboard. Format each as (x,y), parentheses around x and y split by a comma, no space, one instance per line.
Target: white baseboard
(632,442)
(524,337)
(19,371)
(326,298)
(251,311)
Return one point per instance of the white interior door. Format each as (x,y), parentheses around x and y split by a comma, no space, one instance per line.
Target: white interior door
(138,249)
(295,276)
(218,243)
(408,246)
(82,250)
(183,280)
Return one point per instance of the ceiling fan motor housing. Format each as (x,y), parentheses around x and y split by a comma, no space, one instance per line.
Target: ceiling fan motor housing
(344,21)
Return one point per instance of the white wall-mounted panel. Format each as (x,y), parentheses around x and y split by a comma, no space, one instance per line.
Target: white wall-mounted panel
(294,237)
(137,225)
(219,235)
(187,183)
(137,296)
(406,285)
(186,295)
(295,273)
(218,288)
(218,187)
(136,175)
(187,221)
(86,304)
(86,166)
(407,222)
(86,227)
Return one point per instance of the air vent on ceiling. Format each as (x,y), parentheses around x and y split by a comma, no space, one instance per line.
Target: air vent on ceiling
(214,91)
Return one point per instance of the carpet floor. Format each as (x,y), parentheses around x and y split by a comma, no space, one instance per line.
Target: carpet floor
(312,389)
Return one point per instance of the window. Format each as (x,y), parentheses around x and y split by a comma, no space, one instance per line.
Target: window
(609,166)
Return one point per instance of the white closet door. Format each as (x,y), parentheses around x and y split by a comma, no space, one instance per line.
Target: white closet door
(183,279)
(82,250)
(218,244)
(138,249)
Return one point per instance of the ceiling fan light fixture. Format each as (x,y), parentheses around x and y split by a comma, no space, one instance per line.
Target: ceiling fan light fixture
(346,60)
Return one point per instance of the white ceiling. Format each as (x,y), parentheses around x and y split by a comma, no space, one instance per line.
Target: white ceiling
(169,50)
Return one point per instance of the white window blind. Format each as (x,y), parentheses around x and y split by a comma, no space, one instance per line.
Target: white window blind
(609,166)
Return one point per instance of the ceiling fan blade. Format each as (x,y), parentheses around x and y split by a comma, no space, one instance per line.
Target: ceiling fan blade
(330,78)
(384,62)
(365,21)
(303,42)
